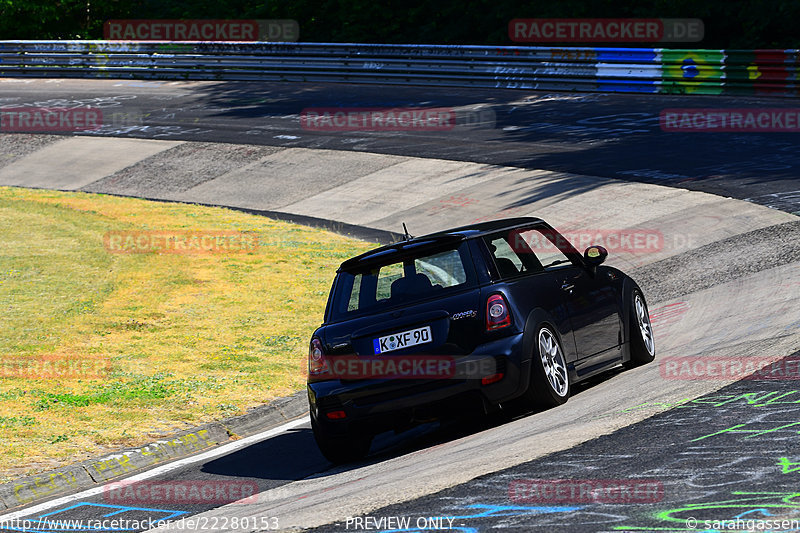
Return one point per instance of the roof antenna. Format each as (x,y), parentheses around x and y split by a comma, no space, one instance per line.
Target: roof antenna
(406,236)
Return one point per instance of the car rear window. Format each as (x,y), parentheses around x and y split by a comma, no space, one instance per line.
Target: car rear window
(400,281)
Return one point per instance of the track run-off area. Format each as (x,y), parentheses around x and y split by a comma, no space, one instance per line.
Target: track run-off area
(718,260)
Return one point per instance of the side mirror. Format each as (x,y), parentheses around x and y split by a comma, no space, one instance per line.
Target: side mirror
(594,255)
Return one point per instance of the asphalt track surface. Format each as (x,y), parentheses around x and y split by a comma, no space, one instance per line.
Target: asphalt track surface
(605,135)
(721,456)
(733,452)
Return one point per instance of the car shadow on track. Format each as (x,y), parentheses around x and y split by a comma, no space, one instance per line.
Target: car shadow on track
(294,455)
(289,456)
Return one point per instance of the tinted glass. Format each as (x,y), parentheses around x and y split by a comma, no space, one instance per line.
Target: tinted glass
(527,251)
(401,281)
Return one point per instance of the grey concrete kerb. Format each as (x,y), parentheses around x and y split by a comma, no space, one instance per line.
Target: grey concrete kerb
(46,485)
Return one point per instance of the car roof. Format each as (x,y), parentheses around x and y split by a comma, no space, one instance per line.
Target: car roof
(473,230)
(439,238)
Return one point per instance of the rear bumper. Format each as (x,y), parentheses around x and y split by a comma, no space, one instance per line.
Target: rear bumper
(373,406)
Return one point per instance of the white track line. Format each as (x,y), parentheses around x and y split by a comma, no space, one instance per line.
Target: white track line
(216,452)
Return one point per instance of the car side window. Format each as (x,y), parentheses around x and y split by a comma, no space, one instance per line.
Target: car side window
(544,245)
(502,252)
(511,255)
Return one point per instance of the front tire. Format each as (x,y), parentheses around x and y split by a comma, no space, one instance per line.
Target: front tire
(341,449)
(643,347)
(549,385)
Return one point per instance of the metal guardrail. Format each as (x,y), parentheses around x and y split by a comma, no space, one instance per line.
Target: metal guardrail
(639,70)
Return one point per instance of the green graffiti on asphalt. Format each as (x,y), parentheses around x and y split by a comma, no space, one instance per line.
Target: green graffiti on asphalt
(787,466)
(746,502)
(753,399)
(756,399)
(753,432)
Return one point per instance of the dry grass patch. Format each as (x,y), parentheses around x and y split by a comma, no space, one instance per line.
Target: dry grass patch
(156,341)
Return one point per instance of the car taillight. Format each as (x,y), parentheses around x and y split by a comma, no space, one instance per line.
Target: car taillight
(494,378)
(317,363)
(497,315)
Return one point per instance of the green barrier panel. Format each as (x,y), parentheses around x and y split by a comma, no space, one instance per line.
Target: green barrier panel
(692,71)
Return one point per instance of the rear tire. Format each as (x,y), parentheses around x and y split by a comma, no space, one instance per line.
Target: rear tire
(341,449)
(549,385)
(642,342)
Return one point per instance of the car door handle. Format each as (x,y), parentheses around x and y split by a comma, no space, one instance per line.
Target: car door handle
(567,286)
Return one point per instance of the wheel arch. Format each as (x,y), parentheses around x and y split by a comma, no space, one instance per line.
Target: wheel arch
(628,286)
(536,318)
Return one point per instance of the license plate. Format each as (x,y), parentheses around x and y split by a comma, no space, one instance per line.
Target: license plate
(398,341)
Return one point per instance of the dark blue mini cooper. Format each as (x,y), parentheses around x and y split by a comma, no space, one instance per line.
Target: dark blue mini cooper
(486,314)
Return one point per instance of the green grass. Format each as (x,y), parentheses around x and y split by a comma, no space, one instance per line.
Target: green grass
(171,339)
